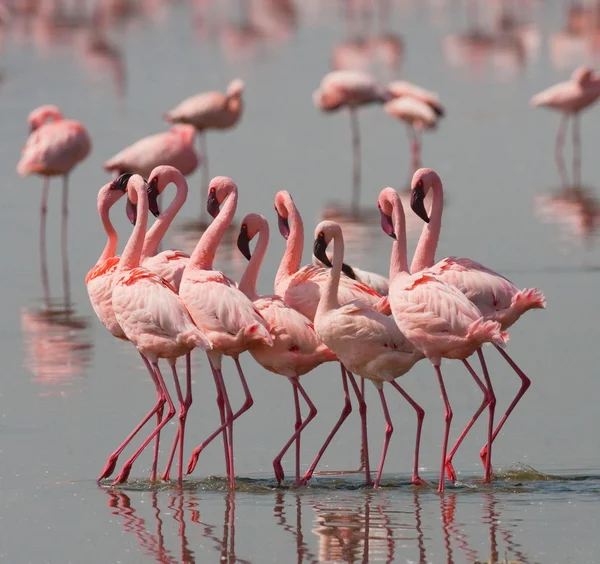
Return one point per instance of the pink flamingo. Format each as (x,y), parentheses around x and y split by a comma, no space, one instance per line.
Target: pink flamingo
(153,318)
(301,288)
(496,297)
(403,88)
(351,88)
(174,147)
(367,343)
(54,148)
(296,349)
(210,110)
(224,313)
(570,98)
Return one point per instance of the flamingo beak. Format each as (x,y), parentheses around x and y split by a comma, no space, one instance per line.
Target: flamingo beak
(243,242)
(319,250)
(387,225)
(212,204)
(153,194)
(284,226)
(121,182)
(417,202)
(131,211)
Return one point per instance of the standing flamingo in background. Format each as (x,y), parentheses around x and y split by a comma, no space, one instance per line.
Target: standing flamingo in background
(301,288)
(54,148)
(174,148)
(224,313)
(351,88)
(496,297)
(153,318)
(296,349)
(210,110)
(367,343)
(570,98)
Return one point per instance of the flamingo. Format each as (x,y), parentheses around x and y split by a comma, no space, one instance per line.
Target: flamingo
(570,98)
(366,342)
(296,348)
(403,88)
(174,147)
(224,313)
(54,147)
(495,296)
(99,283)
(439,320)
(300,288)
(377,282)
(210,110)
(351,88)
(153,318)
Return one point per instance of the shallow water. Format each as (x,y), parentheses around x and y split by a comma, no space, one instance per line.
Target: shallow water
(70,393)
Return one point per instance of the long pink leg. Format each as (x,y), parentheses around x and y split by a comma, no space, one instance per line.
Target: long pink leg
(389,429)
(124,474)
(448,420)
(65,240)
(345,412)
(112,459)
(356,172)
(576,152)
(229,421)
(486,401)
(525,383)
(43,255)
(558,149)
(492,409)
(416,479)
(362,407)
(187,402)
(248,403)
(415,149)
(205,178)
(300,426)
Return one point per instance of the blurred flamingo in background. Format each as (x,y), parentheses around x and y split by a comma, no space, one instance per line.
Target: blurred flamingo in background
(210,110)
(296,349)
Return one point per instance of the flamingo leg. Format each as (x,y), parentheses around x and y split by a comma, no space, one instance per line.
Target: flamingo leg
(64,238)
(362,407)
(203,154)
(345,412)
(229,422)
(416,479)
(300,426)
(43,256)
(356,171)
(525,383)
(183,409)
(559,147)
(389,429)
(112,459)
(124,474)
(486,401)
(448,421)
(576,151)
(492,410)
(248,403)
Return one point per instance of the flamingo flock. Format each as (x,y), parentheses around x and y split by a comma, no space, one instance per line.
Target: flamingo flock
(168,304)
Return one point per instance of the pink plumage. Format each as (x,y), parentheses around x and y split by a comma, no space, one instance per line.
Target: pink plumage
(573,95)
(347,88)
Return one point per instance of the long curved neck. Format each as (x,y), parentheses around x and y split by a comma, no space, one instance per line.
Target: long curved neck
(329,296)
(132,253)
(204,253)
(290,262)
(162,224)
(110,249)
(248,282)
(424,256)
(399,259)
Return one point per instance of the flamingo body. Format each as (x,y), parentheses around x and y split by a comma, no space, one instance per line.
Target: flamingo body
(412,111)
(403,88)
(571,96)
(347,88)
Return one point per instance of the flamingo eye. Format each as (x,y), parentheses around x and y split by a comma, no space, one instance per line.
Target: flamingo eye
(244,226)
(321,235)
(212,190)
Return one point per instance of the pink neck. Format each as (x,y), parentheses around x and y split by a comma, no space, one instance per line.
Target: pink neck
(204,253)
(104,205)
(250,276)
(398,260)
(162,224)
(132,253)
(424,256)
(290,262)
(329,297)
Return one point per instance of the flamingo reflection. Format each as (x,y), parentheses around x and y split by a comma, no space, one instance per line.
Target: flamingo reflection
(302,550)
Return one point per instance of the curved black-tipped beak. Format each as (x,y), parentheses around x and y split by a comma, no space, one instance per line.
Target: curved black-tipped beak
(131,211)
(417,203)
(284,226)
(320,250)
(212,205)
(387,225)
(153,194)
(243,242)
(121,182)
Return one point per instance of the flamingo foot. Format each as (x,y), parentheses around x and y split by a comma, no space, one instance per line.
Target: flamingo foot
(418,481)
(279,473)
(123,475)
(166,477)
(483,454)
(109,468)
(450,472)
(193,461)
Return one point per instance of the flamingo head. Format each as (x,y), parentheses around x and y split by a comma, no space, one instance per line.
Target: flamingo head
(41,115)
(282,201)
(131,204)
(422,181)
(220,187)
(385,203)
(324,233)
(252,224)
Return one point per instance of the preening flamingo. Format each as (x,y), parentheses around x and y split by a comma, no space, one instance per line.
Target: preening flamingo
(153,317)
(495,296)
(210,110)
(366,342)
(224,313)
(296,349)
(174,148)
(351,88)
